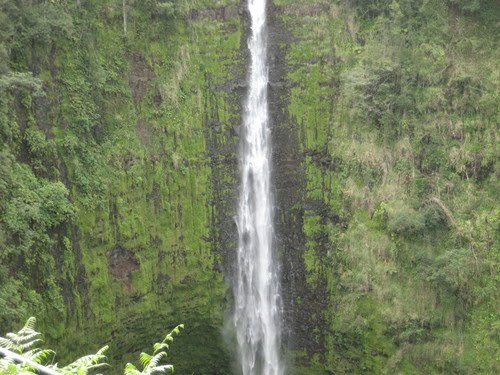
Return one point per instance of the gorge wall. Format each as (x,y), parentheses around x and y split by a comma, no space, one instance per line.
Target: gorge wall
(119,179)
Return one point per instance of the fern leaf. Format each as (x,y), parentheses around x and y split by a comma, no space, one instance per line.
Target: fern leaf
(175,331)
(102,350)
(6,362)
(14,338)
(156,359)
(168,338)
(27,336)
(130,369)
(30,323)
(28,345)
(5,343)
(42,356)
(162,369)
(84,364)
(145,358)
(160,346)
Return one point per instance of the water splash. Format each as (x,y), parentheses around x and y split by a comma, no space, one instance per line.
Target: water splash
(257,298)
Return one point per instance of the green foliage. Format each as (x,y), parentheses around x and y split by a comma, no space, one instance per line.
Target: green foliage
(109,157)
(403,132)
(16,80)
(32,359)
(396,102)
(152,363)
(467,5)
(404,220)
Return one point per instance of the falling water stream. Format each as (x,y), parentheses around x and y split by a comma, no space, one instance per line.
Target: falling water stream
(257,298)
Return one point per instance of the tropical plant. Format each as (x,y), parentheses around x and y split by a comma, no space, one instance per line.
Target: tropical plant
(21,355)
(22,344)
(152,363)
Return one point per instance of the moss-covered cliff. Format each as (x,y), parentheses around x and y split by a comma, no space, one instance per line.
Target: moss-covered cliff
(110,157)
(118,178)
(391,108)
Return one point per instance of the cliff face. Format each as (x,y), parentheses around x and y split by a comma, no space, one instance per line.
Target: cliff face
(119,178)
(141,129)
(385,183)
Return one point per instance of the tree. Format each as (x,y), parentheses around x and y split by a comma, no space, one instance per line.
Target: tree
(124,8)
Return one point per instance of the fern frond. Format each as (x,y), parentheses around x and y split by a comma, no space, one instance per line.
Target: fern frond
(30,324)
(130,369)
(84,364)
(151,363)
(145,358)
(168,338)
(161,369)
(31,353)
(176,331)
(102,350)
(156,359)
(39,355)
(14,338)
(28,345)
(5,343)
(27,338)
(6,362)
(160,346)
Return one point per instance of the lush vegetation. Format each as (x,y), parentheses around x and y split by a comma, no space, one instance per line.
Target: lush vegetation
(398,102)
(105,188)
(21,354)
(118,164)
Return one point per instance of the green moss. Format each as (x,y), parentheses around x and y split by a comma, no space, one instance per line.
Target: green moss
(372,111)
(128,122)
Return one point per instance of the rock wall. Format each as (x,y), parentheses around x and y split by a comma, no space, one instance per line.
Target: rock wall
(119,185)
(144,130)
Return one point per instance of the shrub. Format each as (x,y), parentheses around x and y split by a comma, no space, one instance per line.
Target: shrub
(404,220)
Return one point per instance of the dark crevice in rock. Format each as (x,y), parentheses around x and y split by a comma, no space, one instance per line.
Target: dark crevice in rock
(222,145)
(121,264)
(141,76)
(304,303)
(217,14)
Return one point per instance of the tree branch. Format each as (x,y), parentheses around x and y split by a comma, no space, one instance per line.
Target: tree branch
(20,359)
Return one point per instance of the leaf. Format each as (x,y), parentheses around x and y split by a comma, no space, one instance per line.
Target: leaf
(160,346)
(157,358)
(88,362)
(145,358)
(42,355)
(30,324)
(130,369)
(162,368)
(5,343)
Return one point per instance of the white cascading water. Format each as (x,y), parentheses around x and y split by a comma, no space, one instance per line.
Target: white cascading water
(257,295)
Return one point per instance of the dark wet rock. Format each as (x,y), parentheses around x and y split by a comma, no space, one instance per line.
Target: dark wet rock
(121,264)
(140,77)
(305,9)
(216,14)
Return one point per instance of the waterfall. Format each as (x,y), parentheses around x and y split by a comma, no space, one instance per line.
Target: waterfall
(257,299)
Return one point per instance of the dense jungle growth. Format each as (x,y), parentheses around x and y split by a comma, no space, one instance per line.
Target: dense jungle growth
(119,128)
